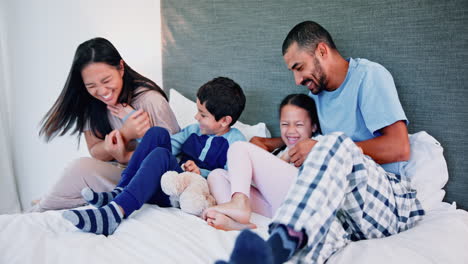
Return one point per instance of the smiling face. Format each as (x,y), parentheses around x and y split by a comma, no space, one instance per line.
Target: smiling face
(102,81)
(306,68)
(208,123)
(295,125)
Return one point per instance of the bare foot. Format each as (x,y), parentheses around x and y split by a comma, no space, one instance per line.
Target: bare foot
(223,222)
(238,209)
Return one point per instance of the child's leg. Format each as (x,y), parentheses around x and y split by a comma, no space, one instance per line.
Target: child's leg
(271,175)
(220,188)
(219,185)
(250,164)
(145,186)
(98,199)
(104,220)
(154,137)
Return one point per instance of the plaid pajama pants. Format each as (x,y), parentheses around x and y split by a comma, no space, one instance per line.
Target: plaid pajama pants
(341,195)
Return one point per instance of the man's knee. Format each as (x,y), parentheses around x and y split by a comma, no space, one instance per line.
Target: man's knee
(335,140)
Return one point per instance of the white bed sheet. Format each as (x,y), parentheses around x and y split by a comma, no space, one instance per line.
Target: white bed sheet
(157,235)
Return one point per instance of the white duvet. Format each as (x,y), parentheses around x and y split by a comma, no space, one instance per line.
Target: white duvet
(167,235)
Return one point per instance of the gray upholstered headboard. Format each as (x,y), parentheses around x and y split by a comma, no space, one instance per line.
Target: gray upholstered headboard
(424,44)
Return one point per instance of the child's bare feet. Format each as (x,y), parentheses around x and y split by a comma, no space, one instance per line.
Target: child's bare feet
(120,110)
(223,222)
(238,209)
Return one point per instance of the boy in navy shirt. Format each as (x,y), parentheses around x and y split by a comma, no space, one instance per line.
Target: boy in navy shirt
(201,147)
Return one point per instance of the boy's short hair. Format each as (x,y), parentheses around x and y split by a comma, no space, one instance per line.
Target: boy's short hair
(223,97)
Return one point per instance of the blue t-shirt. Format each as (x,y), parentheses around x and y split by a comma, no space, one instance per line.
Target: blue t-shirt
(365,102)
(209,152)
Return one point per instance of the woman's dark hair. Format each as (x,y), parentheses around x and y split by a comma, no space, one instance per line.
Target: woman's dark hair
(75,107)
(305,102)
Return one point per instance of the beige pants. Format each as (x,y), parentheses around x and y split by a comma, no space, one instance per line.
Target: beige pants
(99,175)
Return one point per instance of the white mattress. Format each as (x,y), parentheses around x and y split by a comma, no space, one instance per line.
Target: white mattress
(157,235)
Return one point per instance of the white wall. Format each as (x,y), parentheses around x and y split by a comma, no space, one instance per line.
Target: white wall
(9,202)
(41,40)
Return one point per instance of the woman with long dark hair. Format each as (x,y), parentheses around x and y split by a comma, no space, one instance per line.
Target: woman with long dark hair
(98,85)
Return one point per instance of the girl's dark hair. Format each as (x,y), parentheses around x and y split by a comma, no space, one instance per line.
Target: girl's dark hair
(75,107)
(305,102)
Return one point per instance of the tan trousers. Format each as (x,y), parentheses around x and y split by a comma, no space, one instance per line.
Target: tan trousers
(99,175)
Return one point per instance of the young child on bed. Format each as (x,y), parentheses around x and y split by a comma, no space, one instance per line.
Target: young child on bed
(250,164)
(202,147)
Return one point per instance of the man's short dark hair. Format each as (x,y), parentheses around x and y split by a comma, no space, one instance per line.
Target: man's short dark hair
(307,35)
(223,97)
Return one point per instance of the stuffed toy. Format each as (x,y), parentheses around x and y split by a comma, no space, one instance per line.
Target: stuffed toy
(187,191)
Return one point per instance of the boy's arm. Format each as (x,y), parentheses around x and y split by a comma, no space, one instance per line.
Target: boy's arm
(191,166)
(178,139)
(268,144)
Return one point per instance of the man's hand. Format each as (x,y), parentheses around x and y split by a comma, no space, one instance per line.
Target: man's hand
(299,152)
(190,166)
(268,144)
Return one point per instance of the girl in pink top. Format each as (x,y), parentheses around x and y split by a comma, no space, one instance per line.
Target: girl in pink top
(250,185)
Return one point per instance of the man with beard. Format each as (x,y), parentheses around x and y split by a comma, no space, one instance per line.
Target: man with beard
(341,194)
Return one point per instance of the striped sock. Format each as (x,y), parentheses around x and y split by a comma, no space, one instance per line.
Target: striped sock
(99,199)
(104,220)
(284,242)
(249,248)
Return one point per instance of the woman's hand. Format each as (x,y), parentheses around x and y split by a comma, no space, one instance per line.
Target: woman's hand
(135,126)
(190,166)
(115,146)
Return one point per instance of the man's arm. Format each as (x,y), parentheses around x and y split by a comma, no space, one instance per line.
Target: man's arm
(268,144)
(392,146)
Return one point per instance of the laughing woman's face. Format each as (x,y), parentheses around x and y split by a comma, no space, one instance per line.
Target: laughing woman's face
(102,81)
